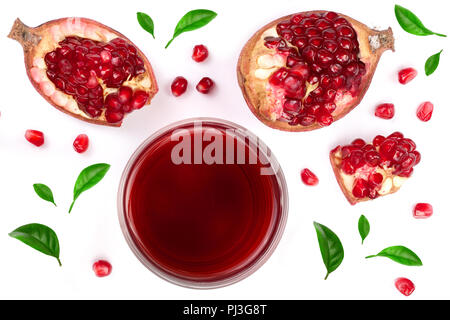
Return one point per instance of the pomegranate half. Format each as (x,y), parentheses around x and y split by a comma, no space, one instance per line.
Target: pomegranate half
(368,170)
(307,70)
(86,69)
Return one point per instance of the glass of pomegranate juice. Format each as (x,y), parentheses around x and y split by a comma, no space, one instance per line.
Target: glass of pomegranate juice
(203,203)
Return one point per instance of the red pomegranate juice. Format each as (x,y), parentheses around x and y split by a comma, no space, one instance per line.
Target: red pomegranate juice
(197,221)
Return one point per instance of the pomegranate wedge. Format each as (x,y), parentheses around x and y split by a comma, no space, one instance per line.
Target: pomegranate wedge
(307,70)
(86,69)
(366,171)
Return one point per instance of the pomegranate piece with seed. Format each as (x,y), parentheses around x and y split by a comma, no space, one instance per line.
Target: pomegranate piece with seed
(423,211)
(86,69)
(35,137)
(321,62)
(405,286)
(205,85)
(102,268)
(385,111)
(309,178)
(200,53)
(81,143)
(179,86)
(368,170)
(406,75)
(425,111)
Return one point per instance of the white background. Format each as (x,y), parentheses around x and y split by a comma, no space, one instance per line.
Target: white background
(295,271)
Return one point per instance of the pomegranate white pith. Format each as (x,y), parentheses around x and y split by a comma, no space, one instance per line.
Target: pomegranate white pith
(44,43)
(318,74)
(366,171)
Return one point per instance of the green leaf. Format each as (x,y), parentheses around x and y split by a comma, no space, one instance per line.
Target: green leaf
(39,237)
(88,178)
(363,227)
(44,192)
(146,23)
(411,23)
(400,254)
(330,248)
(192,20)
(432,63)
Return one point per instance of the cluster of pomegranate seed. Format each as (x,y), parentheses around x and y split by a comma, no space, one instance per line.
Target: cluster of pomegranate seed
(179,86)
(395,153)
(322,53)
(385,111)
(423,211)
(309,178)
(102,268)
(200,53)
(405,286)
(82,68)
(406,75)
(35,137)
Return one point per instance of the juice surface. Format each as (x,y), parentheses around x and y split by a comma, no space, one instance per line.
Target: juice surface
(200,222)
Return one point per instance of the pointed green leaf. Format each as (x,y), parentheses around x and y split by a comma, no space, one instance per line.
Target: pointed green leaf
(146,23)
(192,20)
(88,178)
(432,63)
(330,248)
(363,227)
(44,192)
(400,254)
(411,23)
(38,237)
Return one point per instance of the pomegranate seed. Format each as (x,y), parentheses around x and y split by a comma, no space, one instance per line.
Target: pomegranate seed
(359,143)
(376,179)
(423,211)
(114,116)
(81,143)
(347,167)
(378,140)
(35,137)
(124,94)
(309,178)
(425,111)
(360,189)
(139,99)
(385,111)
(112,102)
(205,85)
(200,53)
(406,75)
(405,286)
(179,86)
(102,268)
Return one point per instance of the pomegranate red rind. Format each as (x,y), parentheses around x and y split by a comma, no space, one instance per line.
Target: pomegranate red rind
(366,171)
(50,37)
(255,75)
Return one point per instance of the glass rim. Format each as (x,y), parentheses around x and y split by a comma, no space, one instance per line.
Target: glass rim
(192,284)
